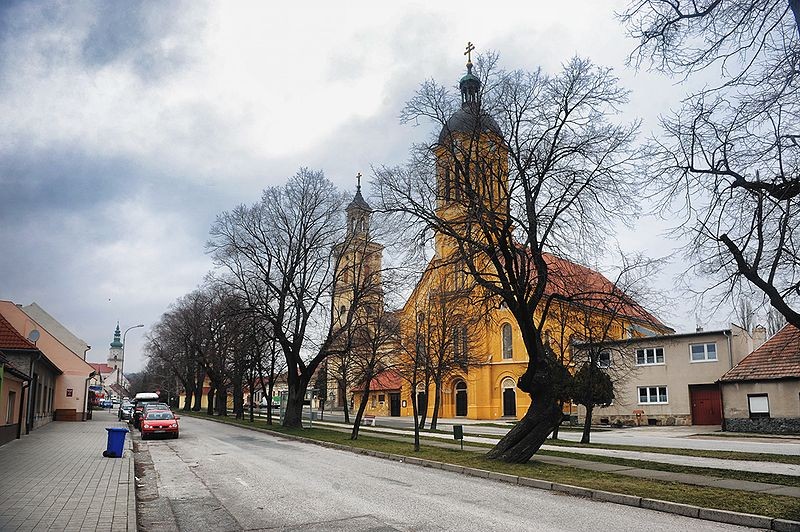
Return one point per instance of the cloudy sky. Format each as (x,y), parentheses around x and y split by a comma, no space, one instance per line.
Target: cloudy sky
(125,128)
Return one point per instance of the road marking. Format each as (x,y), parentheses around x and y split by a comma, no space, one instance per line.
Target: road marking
(242,482)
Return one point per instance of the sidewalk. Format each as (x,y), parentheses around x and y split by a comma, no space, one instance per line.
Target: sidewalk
(686,478)
(56,478)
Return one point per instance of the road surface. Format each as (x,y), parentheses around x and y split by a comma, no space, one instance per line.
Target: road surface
(222,477)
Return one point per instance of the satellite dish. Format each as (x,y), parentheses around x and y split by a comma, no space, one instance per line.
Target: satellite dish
(33,336)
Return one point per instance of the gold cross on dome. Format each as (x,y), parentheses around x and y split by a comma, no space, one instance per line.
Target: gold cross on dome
(468,53)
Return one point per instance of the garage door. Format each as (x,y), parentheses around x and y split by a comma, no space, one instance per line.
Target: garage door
(706,404)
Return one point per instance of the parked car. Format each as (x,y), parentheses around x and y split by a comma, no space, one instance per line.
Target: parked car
(105,403)
(146,407)
(125,411)
(159,422)
(139,401)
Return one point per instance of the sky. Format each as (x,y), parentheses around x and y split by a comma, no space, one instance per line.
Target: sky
(126,127)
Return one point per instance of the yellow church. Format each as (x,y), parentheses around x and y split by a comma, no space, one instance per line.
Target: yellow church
(483,346)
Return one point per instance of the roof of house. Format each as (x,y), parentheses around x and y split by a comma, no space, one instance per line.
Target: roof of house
(10,338)
(101,368)
(386,380)
(777,358)
(56,329)
(11,368)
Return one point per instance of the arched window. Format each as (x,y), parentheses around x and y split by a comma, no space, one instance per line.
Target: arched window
(447,183)
(460,390)
(508,349)
(509,397)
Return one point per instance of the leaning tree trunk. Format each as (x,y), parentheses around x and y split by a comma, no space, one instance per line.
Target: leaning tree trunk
(360,414)
(528,435)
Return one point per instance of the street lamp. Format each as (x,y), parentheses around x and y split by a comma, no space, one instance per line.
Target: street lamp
(122,368)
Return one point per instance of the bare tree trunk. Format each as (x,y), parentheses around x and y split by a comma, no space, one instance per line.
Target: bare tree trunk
(187,401)
(294,403)
(414,409)
(211,393)
(587,424)
(436,403)
(558,426)
(222,400)
(346,410)
(528,435)
(360,413)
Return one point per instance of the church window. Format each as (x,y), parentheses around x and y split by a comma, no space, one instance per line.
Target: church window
(460,339)
(447,184)
(508,349)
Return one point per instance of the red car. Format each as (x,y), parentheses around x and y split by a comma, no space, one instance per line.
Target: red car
(157,422)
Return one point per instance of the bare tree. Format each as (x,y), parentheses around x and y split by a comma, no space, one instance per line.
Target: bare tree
(530,164)
(374,349)
(728,159)
(602,317)
(281,254)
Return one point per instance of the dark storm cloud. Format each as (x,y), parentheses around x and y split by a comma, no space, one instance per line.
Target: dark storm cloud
(132,32)
(59,179)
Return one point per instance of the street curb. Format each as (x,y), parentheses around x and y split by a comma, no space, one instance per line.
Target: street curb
(708,514)
(133,519)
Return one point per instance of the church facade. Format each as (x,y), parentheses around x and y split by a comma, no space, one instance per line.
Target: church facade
(478,349)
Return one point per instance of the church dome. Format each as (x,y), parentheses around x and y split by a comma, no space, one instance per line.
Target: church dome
(469,119)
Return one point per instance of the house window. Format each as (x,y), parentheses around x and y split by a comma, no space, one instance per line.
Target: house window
(382,398)
(653,395)
(604,360)
(703,352)
(650,356)
(374,401)
(12,398)
(508,348)
(758,404)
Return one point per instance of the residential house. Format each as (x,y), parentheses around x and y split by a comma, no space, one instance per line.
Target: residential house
(761,393)
(60,377)
(672,379)
(28,393)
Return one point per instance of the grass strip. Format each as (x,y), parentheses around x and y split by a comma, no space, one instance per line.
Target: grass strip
(777,506)
(724,455)
(768,478)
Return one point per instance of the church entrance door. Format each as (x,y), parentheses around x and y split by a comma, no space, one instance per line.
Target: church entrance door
(461,399)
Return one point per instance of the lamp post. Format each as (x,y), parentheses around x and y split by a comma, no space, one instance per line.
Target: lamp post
(121,369)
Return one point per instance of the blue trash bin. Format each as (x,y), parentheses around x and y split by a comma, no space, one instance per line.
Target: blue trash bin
(116,442)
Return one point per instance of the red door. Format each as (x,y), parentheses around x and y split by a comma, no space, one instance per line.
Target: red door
(706,404)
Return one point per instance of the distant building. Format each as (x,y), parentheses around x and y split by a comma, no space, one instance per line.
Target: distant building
(762,392)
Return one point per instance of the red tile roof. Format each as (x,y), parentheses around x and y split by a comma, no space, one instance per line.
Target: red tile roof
(778,358)
(593,289)
(11,339)
(386,380)
(101,368)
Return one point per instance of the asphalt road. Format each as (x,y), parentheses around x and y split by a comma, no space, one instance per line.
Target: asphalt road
(221,477)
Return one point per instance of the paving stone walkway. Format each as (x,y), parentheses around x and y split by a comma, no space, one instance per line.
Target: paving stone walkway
(56,478)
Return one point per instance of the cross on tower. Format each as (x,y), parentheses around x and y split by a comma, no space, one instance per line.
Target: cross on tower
(358,177)
(468,53)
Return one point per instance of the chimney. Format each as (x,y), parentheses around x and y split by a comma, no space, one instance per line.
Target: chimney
(759,336)
(699,328)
